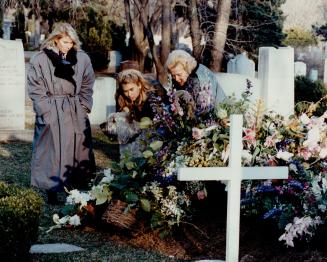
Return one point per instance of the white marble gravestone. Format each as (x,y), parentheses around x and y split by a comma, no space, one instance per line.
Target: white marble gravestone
(233,174)
(300,68)
(6,28)
(12,85)
(115,58)
(103,99)
(325,71)
(276,71)
(313,75)
(241,65)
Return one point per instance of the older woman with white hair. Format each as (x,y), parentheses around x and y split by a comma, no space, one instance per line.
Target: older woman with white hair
(194,78)
(60,83)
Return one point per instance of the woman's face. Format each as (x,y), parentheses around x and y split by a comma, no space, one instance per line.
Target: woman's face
(179,74)
(132,90)
(64,44)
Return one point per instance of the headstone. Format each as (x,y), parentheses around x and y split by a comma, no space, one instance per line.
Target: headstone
(12,85)
(54,248)
(235,85)
(115,59)
(241,65)
(6,27)
(233,174)
(325,71)
(276,72)
(313,75)
(231,66)
(300,68)
(103,99)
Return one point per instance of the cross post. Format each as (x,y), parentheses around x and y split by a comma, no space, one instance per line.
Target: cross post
(233,174)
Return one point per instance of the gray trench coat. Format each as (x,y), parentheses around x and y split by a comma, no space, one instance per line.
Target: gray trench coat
(62,146)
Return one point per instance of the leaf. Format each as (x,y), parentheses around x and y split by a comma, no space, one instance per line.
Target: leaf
(101,196)
(256,152)
(117,186)
(145,204)
(131,197)
(130,165)
(215,137)
(164,233)
(156,220)
(156,145)
(145,122)
(69,209)
(147,154)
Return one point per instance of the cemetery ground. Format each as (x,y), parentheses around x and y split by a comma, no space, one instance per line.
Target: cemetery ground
(202,238)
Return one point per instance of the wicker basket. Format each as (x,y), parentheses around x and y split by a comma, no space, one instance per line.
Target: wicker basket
(116,215)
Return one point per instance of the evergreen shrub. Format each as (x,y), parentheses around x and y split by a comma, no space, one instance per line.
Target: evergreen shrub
(310,91)
(20,211)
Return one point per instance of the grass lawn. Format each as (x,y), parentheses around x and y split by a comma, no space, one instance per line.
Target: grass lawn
(14,169)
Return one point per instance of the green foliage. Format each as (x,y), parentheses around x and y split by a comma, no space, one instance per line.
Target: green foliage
(256,24)
(95,35)
(298,37)
(309,91)
(20,211)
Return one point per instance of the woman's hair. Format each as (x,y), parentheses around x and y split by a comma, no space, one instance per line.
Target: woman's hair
(60,30)
(136,77)
(181,57)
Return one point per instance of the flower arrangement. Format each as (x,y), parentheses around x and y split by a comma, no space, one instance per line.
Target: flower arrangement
(193,133)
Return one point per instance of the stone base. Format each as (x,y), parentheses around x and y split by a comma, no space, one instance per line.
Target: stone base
(16,135)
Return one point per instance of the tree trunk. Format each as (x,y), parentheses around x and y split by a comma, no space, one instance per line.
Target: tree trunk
(195,29)
(166,31)
(149,35)
(138,42)
(219,39)
(174,33)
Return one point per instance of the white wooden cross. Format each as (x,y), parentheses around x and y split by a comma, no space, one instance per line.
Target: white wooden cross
(233,174)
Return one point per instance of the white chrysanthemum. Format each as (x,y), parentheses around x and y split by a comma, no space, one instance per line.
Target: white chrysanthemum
(246,156)
(77,197)
(304,119)
(284,155)
(313,138)
(108,176)
(75,220)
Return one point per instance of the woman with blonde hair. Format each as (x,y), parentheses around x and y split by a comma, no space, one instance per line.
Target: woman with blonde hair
(187,74)
(134,93)
(60,84)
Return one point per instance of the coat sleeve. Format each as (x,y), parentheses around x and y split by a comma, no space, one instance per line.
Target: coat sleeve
(37,90)
(87,86)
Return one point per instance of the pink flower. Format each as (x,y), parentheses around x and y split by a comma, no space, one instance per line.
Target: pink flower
(270,141)
(305,153)
(250,136)
(201,194)
(197,133)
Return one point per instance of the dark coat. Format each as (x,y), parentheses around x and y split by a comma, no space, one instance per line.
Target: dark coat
(62,146)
